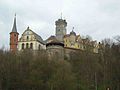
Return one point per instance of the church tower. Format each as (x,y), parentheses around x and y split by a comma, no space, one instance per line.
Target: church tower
(60,29)
(14,37)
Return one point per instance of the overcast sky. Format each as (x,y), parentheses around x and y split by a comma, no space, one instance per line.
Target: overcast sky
(97,18)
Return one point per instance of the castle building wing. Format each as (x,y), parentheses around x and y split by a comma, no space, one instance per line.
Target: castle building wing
(30,40)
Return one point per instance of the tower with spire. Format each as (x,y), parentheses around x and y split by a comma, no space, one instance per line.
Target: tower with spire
(14,37)
(60,29)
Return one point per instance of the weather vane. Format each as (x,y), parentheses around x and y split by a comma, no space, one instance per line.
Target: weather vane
(15,14)
(72,28)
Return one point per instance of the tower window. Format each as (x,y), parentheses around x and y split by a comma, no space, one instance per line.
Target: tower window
(27,45)
(15,35)
(23,46)
(31,45)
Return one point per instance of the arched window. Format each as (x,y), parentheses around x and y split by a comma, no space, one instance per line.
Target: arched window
(39,47)
(27,37)
(23,46)
(15,35)
(26,45)
(31,45)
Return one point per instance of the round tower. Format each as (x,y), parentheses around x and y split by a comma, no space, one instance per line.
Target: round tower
(60,29)
(55,49)
(14,37)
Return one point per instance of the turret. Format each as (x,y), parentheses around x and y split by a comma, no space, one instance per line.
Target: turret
(72,36)
(14,37)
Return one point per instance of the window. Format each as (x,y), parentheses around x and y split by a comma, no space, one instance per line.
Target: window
(31,45)
(72,43)
(27,37)
(27,45)
(39,47)
(27,33)
(23,46)
(66,45)
(15,35)
(84,47)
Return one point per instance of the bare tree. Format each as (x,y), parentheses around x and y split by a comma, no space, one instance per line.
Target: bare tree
(117,38)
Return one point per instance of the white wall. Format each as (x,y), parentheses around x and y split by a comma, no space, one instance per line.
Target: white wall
(30,40)
(35,45)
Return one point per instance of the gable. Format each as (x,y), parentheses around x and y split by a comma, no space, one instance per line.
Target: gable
(29,35)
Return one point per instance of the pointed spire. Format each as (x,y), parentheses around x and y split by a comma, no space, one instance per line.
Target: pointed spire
(72,32)
(14,29)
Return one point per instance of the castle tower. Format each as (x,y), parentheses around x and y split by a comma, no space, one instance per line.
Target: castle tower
(14,37)
(60,29)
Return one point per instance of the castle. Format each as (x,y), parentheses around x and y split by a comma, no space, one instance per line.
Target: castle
(61,43)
